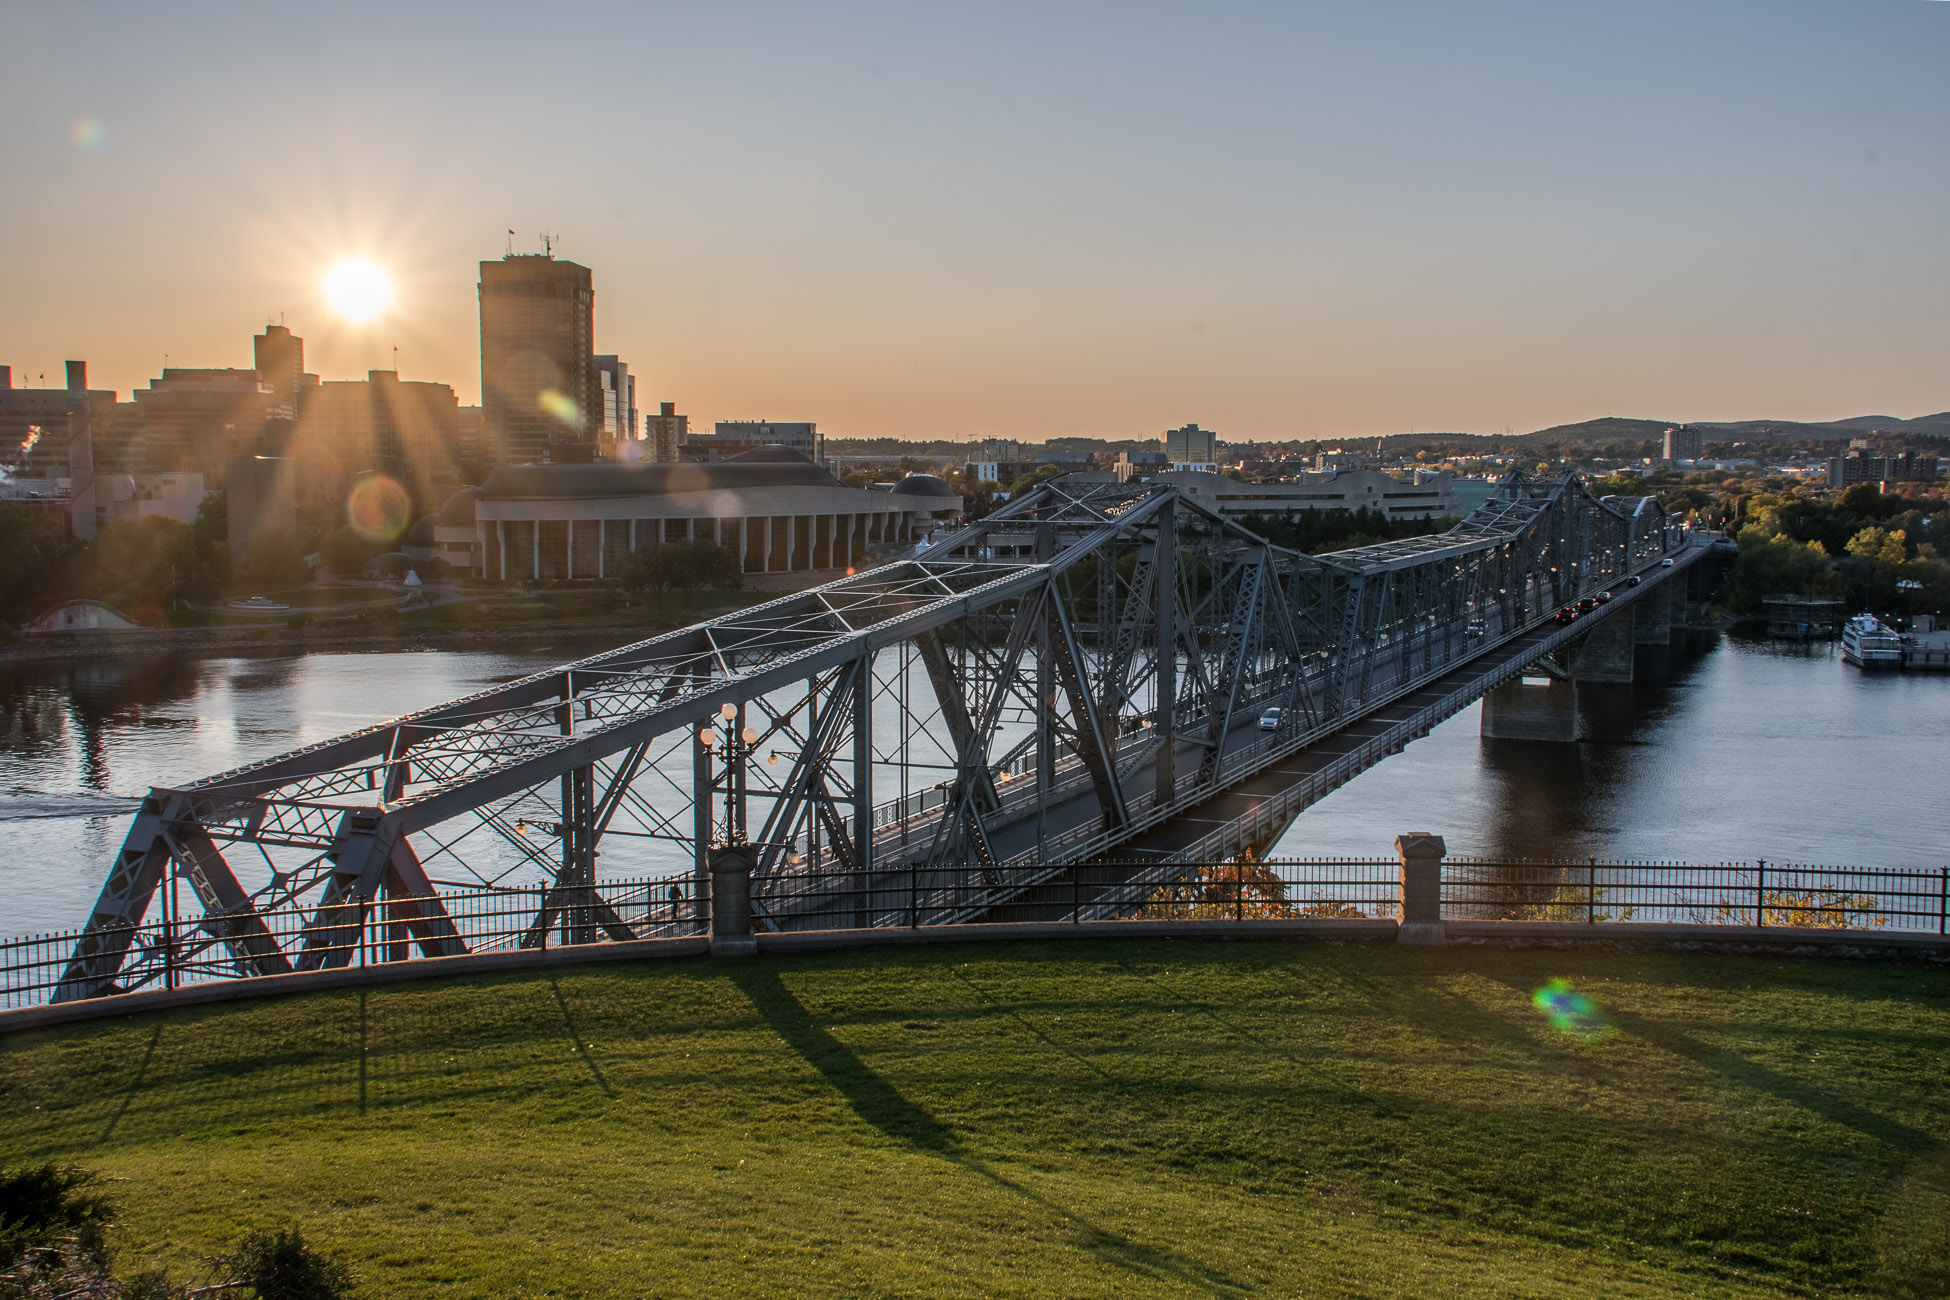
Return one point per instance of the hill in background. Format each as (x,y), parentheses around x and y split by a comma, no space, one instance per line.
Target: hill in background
(1619,429)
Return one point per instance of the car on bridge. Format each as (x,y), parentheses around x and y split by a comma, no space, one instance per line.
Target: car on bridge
(1634,580)
(1270,720)
(1604,598)
(1568,614)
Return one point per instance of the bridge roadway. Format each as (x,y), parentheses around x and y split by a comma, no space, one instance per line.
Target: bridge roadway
(1264,782)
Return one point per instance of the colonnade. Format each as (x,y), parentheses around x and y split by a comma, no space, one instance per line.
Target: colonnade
(549,549)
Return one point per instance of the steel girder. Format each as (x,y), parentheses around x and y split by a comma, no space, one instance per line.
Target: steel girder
(1018,695)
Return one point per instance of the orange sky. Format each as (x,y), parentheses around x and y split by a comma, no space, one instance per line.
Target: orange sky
(1013,221)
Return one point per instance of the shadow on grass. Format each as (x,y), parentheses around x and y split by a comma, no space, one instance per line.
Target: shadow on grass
(582,1048)
(882,1106)
(135,1084)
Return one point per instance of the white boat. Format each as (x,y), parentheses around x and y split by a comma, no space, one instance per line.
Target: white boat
(257,604)
(1866,643)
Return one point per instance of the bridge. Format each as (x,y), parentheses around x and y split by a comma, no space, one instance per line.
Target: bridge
(1081,682)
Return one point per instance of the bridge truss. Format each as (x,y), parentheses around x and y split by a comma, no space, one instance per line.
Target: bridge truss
(1022,695)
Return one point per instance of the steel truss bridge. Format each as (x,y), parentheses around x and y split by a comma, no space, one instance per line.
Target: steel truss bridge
(1079,677)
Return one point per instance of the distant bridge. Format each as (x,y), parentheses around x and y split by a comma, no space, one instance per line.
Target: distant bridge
(1078,677)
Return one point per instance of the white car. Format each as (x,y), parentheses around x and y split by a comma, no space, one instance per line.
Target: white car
(1270,720)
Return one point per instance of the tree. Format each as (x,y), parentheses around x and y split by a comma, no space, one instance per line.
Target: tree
(35,549)
(1884,548)
(684,565)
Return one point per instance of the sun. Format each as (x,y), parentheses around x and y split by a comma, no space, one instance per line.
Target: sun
(358,290)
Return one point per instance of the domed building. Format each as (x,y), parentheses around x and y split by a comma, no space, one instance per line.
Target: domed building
(771,506)
(419,543)
(929,494)
(453,533)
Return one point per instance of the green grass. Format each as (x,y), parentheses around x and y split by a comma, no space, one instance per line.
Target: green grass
(1073,1119)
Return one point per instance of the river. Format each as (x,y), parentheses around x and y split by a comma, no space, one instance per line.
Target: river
(1742,748)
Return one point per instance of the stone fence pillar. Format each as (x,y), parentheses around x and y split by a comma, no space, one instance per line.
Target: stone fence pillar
(1421,855)
(731,902)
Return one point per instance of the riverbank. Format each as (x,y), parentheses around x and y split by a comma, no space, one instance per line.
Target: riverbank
(305,640)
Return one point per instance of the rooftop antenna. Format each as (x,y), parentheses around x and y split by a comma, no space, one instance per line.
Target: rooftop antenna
(511,243)
(548,244)
(396,360)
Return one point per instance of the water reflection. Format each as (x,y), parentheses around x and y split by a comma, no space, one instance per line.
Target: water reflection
(1727,749)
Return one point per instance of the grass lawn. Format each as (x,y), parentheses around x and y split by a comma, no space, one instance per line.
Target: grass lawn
(1067,1119)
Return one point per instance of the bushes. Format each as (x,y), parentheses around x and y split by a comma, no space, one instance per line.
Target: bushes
(53,1244)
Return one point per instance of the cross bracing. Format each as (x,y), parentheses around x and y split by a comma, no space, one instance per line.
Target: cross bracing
(947,711)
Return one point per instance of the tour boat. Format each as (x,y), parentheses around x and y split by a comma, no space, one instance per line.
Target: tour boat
(1866,643)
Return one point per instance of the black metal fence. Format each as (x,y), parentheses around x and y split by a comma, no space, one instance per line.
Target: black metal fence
(1761,893)
(171,953)
(168,953)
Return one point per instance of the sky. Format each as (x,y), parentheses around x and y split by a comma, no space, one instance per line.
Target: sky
(1017,220)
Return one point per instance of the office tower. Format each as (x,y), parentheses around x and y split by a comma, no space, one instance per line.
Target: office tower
(1191,445)
(538,364)
(618,389)
(197,420)
(666,432)
(280,357)
(408,431)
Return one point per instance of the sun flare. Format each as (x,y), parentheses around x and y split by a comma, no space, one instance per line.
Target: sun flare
(358,290)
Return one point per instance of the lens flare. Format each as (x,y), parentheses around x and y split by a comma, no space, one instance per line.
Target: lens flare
(1570,1012)
(89,132)
(561,406)
(377,509)
(358,290)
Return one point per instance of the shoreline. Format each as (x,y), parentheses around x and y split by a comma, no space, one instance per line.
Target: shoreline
(149,641)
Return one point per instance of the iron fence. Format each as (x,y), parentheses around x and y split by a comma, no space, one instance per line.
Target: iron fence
(173,953)
(1759,893)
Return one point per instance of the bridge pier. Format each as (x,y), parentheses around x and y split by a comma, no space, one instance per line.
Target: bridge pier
(1605,655)
(1528,709)
(731,902)
(1652,618)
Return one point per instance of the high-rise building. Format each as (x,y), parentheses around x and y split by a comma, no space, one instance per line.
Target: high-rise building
(665,434)
(409,431)
(36,423)
(618,389)
(197,420)
(1191,445)
(538,362)
(476,447)
(1682,443)
(280,358)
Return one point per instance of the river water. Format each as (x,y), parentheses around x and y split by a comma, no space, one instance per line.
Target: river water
(1736,749)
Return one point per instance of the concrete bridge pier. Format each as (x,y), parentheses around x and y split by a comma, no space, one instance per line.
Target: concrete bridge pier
(1652,618)
(1532,708)
(1605,655)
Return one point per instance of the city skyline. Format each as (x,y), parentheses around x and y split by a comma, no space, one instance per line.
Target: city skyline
(1099,222)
